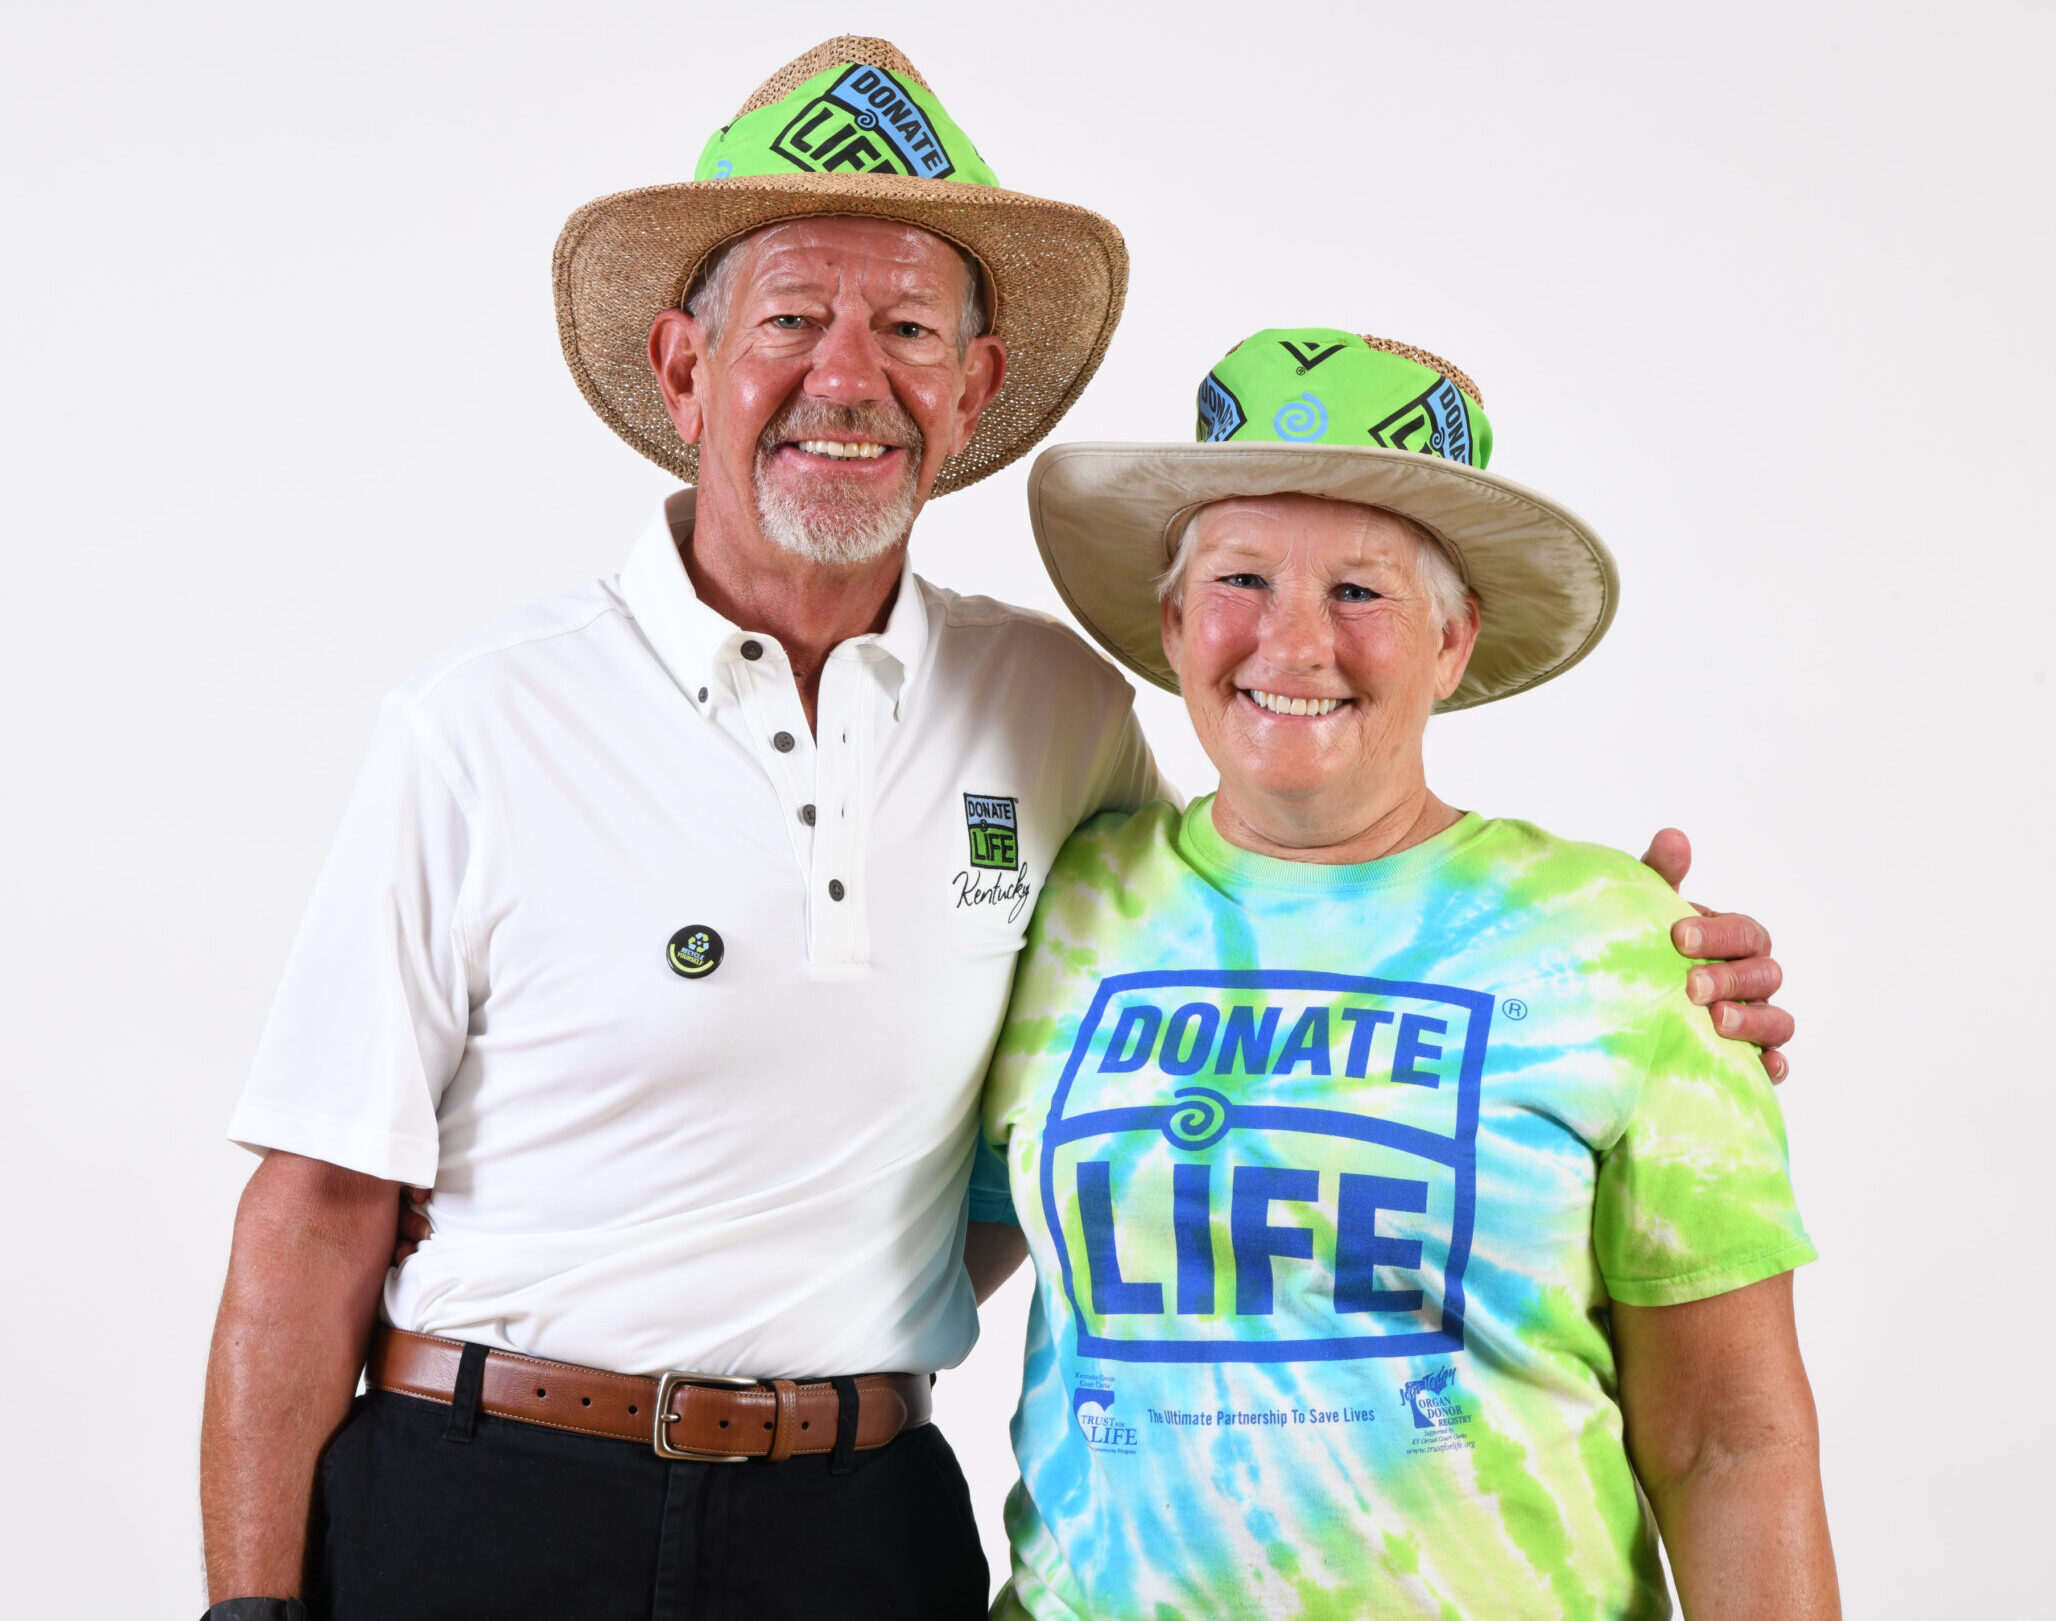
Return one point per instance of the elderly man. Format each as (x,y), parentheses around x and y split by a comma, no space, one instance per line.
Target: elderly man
(667,936)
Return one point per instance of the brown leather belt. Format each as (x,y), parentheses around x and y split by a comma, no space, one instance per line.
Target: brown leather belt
(709,1417)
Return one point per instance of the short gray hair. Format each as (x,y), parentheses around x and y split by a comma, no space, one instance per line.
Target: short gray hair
(1433,566)
(707,299)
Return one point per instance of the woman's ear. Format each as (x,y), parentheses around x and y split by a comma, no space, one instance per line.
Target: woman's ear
(1171,615)
(1459,637)
(677,344)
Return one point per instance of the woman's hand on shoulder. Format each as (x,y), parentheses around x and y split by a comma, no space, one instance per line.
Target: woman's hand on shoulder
(1734,975)
(414,1225)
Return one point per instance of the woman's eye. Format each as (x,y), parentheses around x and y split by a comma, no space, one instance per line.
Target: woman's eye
(1245,582)
(1356,593)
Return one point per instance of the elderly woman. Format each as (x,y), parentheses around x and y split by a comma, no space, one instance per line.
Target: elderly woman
(1407,1244)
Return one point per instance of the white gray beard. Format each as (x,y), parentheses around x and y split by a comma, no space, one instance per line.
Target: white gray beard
(841,533)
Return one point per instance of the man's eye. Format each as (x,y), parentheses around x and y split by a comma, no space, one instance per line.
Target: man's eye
(788,323)
(909,329)
(1356,593)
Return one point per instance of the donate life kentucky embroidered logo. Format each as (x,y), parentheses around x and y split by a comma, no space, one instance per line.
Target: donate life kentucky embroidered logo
(1313,1200)
(867,122)
(995,827)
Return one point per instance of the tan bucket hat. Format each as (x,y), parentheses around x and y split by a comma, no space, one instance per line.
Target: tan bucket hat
(849,128)
(1320,411)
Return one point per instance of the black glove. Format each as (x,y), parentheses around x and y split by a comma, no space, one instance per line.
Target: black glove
(257,1609)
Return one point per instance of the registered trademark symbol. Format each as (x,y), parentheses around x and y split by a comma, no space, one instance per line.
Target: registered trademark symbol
(1514,1008)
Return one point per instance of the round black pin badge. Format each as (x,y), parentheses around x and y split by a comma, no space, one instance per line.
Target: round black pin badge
(695,951)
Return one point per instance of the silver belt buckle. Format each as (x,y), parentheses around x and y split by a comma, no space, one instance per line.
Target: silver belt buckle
(667,1384)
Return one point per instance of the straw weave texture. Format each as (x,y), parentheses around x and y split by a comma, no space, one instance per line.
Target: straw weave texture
(831,53)
(1434,362)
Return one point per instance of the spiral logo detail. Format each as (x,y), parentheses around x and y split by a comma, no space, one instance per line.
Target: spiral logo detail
(1198,1122)
(867,120)
(723,169)
(1301,420)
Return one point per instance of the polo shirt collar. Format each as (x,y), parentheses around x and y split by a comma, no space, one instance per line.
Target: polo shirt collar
(905,638)
(697,645)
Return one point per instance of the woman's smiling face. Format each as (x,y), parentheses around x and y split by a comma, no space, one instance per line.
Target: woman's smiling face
(1311,651)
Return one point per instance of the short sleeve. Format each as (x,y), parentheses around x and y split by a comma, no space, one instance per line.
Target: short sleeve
(371,1017)
(1129,778)
(1695,1196)
(992,1196)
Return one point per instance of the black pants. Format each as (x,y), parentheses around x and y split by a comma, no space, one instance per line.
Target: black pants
(413,1521)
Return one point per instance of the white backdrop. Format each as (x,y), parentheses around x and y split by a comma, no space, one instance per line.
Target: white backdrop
(1762,289)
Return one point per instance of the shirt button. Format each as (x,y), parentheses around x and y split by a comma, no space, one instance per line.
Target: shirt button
(703,695)
(752,650)
(835,889)
(807,814)
(782,742)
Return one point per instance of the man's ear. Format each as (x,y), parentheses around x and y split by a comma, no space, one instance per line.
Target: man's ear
(1459,637)
(1171,616)
(678,343)
(985,369)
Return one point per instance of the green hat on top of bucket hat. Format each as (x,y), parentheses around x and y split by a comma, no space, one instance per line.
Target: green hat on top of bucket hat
(849,128)
(1319,411)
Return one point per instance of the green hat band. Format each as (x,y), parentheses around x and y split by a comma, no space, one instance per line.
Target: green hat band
(851,119)
(1319,386)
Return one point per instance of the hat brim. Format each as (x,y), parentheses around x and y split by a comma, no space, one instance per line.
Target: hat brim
(1059,274)
(1103,515)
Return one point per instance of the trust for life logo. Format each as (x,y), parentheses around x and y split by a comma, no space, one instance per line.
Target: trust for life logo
(1092,1405)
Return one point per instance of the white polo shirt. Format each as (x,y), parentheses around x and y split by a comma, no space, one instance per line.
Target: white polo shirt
(501,987)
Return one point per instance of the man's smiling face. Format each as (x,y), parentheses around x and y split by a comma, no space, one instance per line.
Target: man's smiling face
(834,383)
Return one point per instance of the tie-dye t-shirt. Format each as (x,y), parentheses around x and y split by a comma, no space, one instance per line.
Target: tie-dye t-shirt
(1328,1174)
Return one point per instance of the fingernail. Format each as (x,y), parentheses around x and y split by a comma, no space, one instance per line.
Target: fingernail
(1730,1019)
(1699,986)
(1690,938)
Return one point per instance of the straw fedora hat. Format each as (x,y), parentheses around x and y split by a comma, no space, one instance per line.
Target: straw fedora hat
(1315,411)
(849,128)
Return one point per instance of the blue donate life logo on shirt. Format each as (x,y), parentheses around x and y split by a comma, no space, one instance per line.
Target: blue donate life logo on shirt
(1313,1200)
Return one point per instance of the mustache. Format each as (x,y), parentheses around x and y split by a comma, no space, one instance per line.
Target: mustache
(881,421)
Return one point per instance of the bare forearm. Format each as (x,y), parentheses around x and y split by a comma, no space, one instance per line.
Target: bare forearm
(296,1311)
(992,1250)
(1748,1538)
